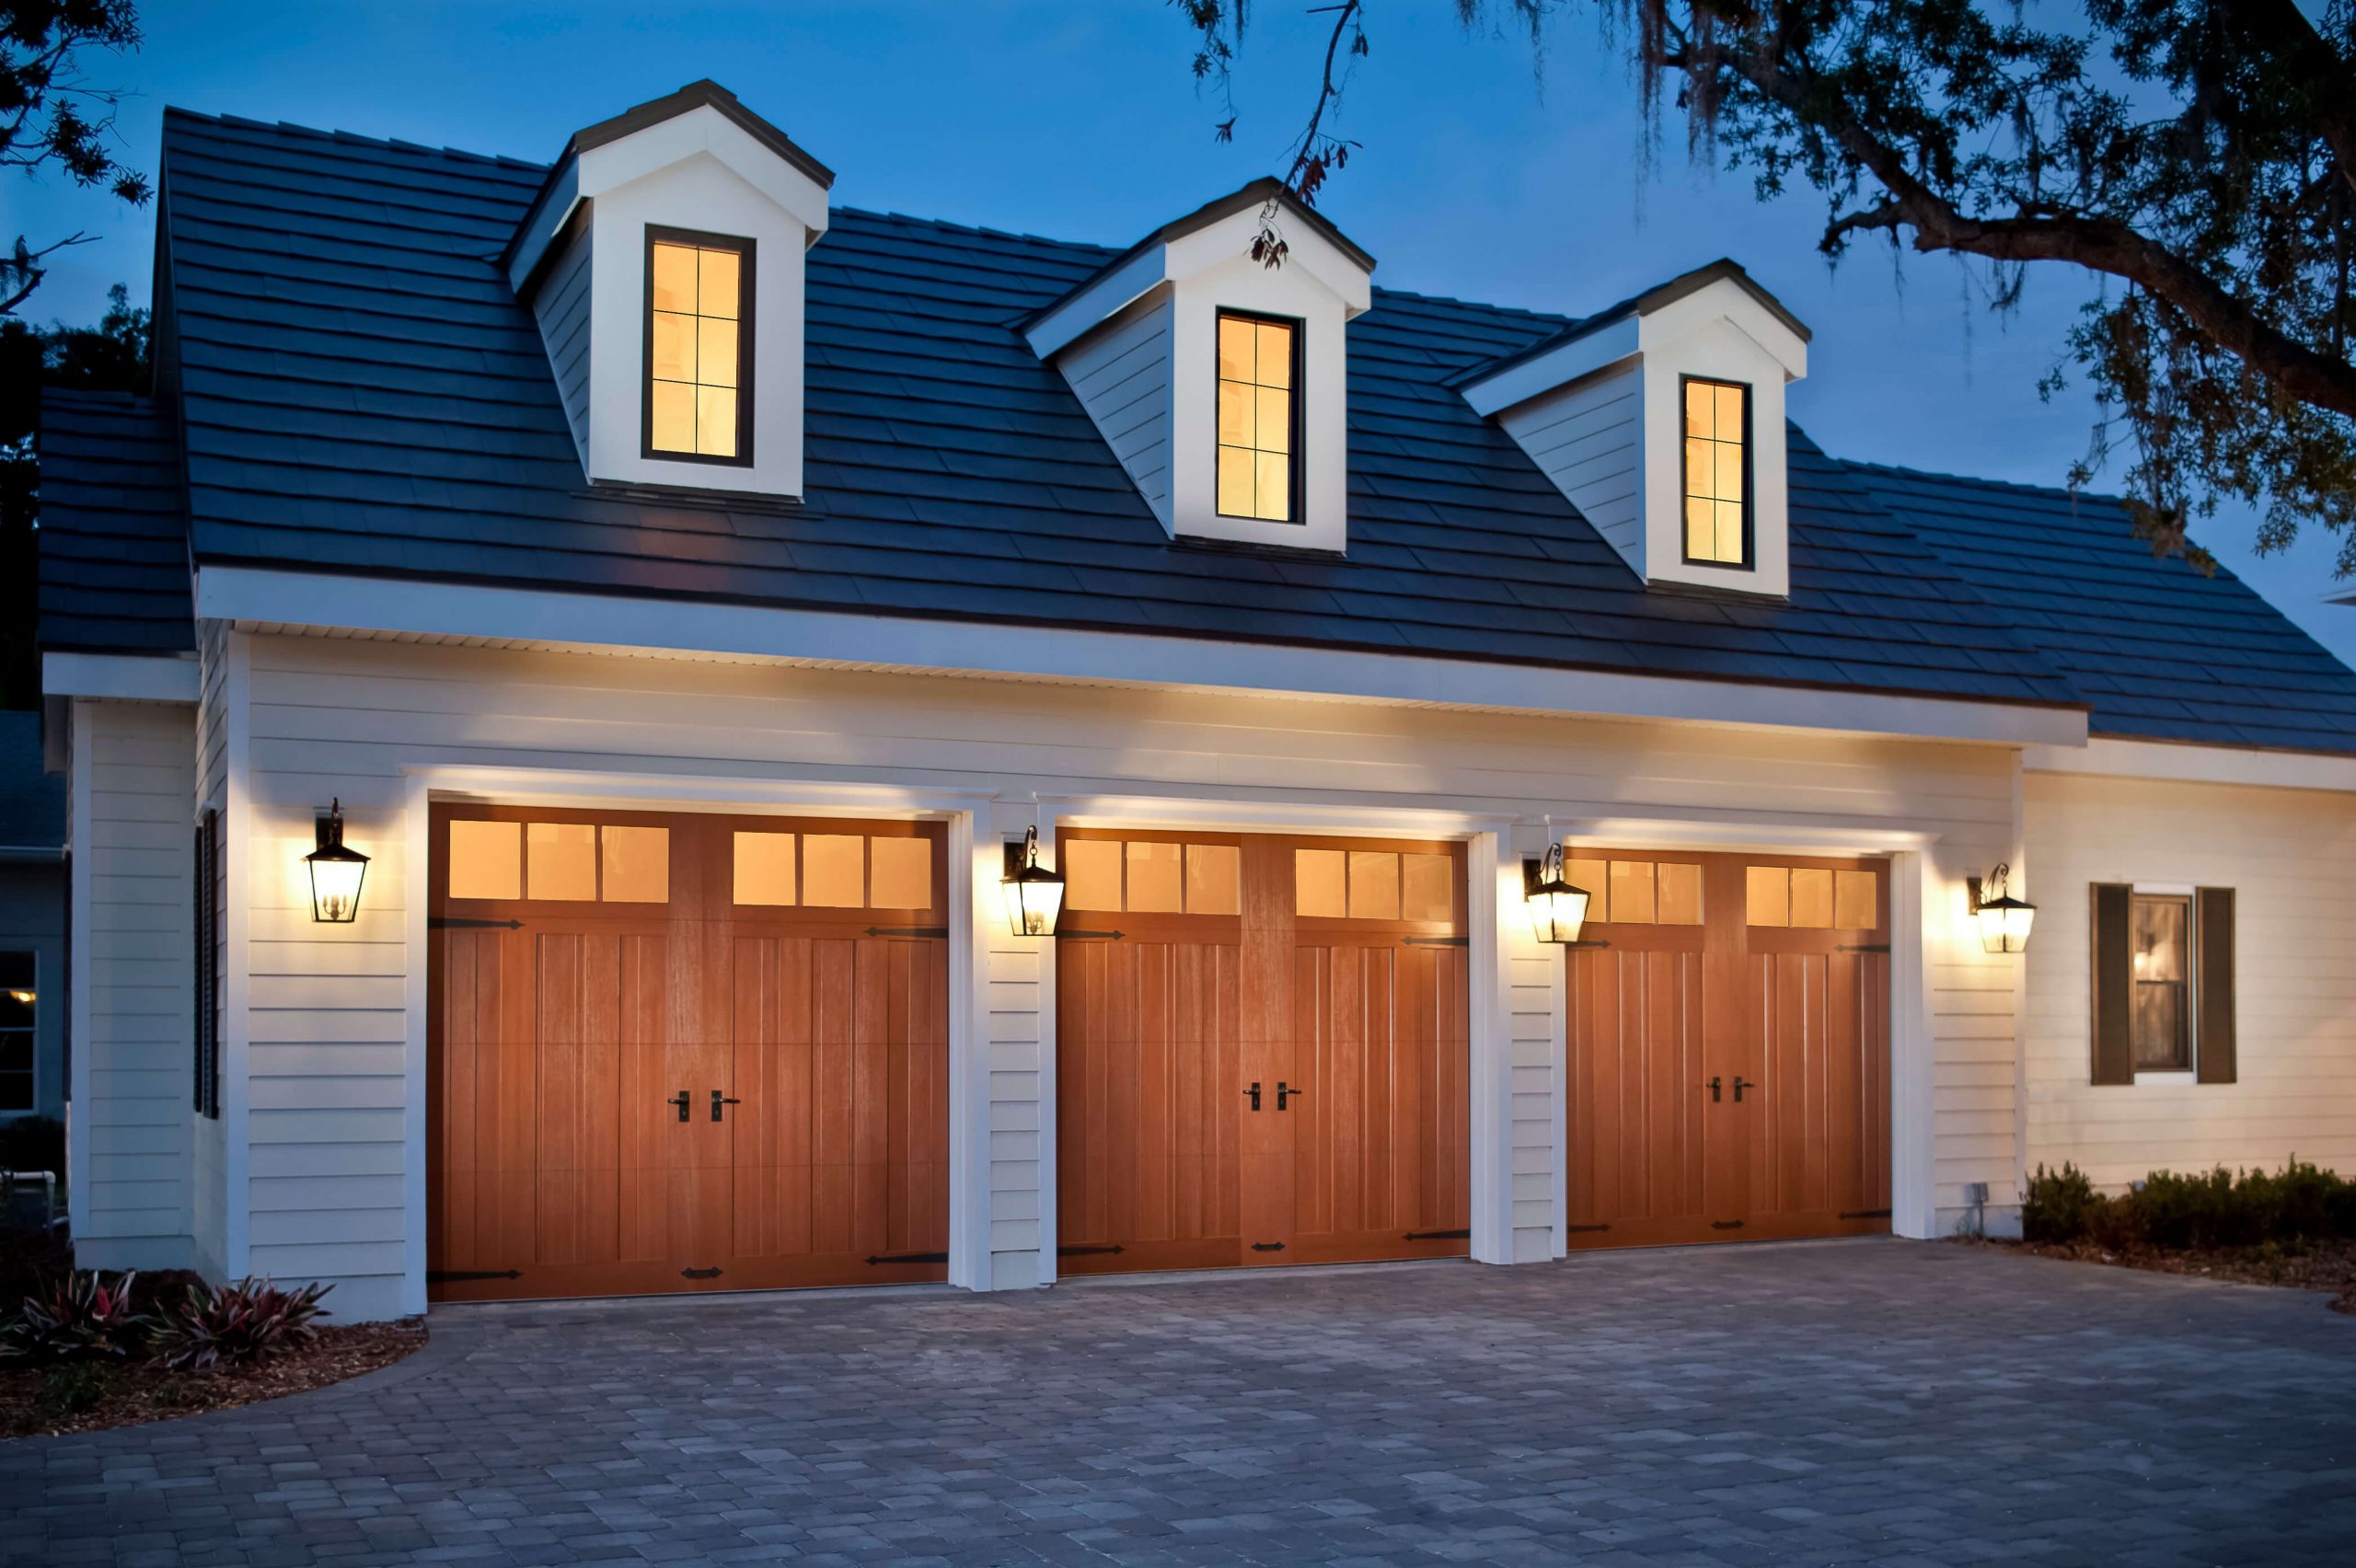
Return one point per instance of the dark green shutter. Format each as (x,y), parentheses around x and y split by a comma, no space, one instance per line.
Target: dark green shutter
(2212,958)
(2114,983)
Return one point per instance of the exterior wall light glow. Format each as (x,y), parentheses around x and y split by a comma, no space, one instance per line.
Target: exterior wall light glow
(1557,909)
(336,872)
(2004,919)
(1035,895)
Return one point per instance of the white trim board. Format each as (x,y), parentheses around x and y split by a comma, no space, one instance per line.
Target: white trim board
(119,677)
(2193,764)
(261,597)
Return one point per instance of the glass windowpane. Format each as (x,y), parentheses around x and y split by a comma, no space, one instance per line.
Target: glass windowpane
(1214,879)
(1374,884)
(1697,409)
(715,352)
(1729,530)
(1092,873)
(486,860)
(1730,413)
(1767,895)
(1701,530)
(675,277)
(834,871)
(1235,406)
(674,347)
(674,417)
(902,871)
(764,868)
(716,421)
(1681,893)
(1154,877)
(560,860)
(1235,481)
(1317,883)
(1631,892)
(1274,421)
(1698,467)
(1727,483)
(1856,900)
(1274,485)
(716,282)
(1236,355)
(1275,354)
(638,864)
(1594,879)
(1425,891)
(1811,897)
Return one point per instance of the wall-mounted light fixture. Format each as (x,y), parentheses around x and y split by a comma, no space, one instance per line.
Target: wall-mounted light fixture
(1557,909)
(2004,919)
(1035,895)
(337,872)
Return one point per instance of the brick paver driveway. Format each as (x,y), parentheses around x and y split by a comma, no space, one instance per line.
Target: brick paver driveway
(1882,1401)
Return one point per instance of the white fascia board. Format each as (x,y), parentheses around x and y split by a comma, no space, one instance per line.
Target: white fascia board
(123,677)
(548,220)
(1727,300)
(1100,301)
(250,596)
(1581,357)
(2189,762)
(704,130)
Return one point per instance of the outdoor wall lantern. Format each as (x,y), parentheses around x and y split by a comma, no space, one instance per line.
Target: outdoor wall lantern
(2004,919)
(336,872)
(1035,895)
(1556,908)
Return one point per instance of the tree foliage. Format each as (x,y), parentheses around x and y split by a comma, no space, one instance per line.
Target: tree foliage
(112,356)
(2195,159)
(52,118)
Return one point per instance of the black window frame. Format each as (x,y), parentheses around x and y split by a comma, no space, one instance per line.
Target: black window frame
(1298,488)
(747,250)
(205,1035)
(32,1031)
(1749,561)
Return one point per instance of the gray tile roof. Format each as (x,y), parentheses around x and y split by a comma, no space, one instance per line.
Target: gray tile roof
(362,393)
(113,526)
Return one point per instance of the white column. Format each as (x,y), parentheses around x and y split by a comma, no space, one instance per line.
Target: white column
(1915,921)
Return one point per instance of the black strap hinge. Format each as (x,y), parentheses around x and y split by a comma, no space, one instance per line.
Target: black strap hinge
(455,1276)
(1103,936)
(712,1272)
(1439,1235)
(1267,1246)
(911,1258)
(908,931)
(1093,1250)
(1726,1225)
(465,923)
(1575,1229)
(1864,1213)
(1437,941)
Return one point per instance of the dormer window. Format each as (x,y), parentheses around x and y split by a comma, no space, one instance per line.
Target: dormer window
(1259,416)
(1717,472)
(698,317)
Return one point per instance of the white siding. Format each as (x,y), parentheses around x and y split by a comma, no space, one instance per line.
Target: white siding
(1585,439)
(2290,856)
(563,307)
(333,717)
(1122,377)
(133,776)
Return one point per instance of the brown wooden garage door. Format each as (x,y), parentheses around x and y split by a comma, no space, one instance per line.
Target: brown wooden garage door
(684,1053)
(1729,1049)
(1262,1051)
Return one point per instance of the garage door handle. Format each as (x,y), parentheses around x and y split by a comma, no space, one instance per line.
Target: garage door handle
(680,1100)
(1254,1094)
(1714,1085)
(718,1099)
(1739,1085)
(1284,1093)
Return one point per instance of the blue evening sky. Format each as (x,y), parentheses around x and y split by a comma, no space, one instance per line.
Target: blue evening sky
(1076,119)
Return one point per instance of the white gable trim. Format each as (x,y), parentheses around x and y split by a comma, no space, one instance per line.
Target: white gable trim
(2191,763)
(121,678)
(294,601)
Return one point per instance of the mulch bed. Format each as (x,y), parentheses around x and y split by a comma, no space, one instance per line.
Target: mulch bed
(45,1401)
(2322,1265)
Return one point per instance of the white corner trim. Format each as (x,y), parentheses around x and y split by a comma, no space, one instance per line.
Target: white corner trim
(237,989)
(124,677)
(2187,763)
(81,793)
(249,595)
(1914,912)
(417,834)
(1489,1001)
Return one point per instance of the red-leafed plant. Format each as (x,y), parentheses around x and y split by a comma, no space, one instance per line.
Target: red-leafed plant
(247,1321)
(77,1316)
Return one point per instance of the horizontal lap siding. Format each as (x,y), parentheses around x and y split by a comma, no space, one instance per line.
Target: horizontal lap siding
(345,717)
(1585,439)
(141,763)
(1121,377)
(2290,856)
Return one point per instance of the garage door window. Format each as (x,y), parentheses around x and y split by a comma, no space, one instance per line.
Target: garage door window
(1372,884)
(832,871)
(1812,898)
(1638,893)
(1143,876)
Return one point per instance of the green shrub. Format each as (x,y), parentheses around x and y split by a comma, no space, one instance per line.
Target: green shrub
(2058,1205)
(76,1316)
(249,1321)
(71,1388)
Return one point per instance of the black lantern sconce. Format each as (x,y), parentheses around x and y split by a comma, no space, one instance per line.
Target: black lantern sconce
(1557,909)
(336,872)
(2004,919)
(1035,895)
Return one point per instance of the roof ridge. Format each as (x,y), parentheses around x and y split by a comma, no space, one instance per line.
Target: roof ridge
(313,132)
(1982,481)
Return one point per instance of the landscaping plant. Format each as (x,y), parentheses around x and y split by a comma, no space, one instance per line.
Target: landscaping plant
(241,1323)
(77,1316)
(2285,1210)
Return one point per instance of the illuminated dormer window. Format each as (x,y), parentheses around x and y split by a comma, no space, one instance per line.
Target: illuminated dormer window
(1717,472)
(698,323)
(1259,416)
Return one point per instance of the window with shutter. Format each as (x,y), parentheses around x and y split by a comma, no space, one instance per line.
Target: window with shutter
(205,1027)
(2163,983)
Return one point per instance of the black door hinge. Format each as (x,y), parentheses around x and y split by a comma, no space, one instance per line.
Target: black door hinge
(713,1273)
(911,1258)
(1094,1250)
(461,922)
(1267,1246)
(454,1276)
(1865,947)
(1106,935)
(908,931)
(1436,942)
(1726,1225)
(1864,1213)
(1439,1235)
(1575,1229)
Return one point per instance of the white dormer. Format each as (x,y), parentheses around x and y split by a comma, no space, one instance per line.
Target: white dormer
(663,259)
(1662,421)
(1220,383)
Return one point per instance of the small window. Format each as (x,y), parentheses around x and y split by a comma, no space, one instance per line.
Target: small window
(1143,876)
(19,999)
(1718,473)
(699,336)
(1259,417)
(2161,1020)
